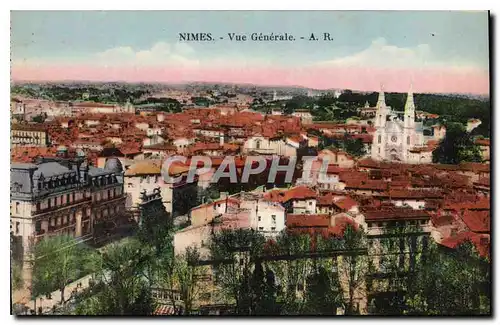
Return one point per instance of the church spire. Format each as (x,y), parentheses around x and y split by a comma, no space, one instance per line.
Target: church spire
(381,97)
(410,103)
(409,115)
(382,110)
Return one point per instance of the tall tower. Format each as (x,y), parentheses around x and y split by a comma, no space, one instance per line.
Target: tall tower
(409,134)
(382,109)
(379,138)
(409,118)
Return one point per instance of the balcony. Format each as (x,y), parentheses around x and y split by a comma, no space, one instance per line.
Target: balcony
(67,205)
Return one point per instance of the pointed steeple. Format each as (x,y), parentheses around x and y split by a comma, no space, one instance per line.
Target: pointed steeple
(382,110)
(410,103)
(381,97)
(409,115)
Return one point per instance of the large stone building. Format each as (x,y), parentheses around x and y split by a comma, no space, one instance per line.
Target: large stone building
(63,196)
(399,140)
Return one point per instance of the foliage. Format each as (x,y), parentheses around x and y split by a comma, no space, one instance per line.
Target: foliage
(353,267)
(57,262)
(124,289)
(354,147)
(156,228)
(323,293)
(187,276)
(234,253)
(457,146)
(451,283)
(39,118)
(164,104)
(17,275)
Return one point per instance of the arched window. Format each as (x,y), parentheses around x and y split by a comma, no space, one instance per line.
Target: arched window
(379,138)
(257,144)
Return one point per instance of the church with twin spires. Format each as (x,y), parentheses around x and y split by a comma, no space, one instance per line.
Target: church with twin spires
(396,139)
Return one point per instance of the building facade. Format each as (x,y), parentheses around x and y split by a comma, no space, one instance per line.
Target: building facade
(398,140)
(60,196)
(28,135)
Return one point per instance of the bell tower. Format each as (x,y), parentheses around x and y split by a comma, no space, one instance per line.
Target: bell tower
(409,134)
(409,118)
(379,138)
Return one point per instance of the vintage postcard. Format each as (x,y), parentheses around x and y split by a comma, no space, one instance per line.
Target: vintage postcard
(250,163)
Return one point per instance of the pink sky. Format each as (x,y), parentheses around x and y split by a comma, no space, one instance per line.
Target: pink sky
(435,80)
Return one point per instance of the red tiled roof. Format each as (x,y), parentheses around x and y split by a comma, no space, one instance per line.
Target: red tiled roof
(477,221)
(394,213)
(480,241)
(299,193)
(307,220)
(482,142)
(345,203)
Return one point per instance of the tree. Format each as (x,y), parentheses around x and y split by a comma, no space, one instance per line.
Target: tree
(156,228)
(400,250)
(457,146)
(57,261)
(233,253)
(122,288)
(39,118)
(17,275)
(353,267)
(292,272)
(187,274)
(451,283)
(263,291)
(323,293)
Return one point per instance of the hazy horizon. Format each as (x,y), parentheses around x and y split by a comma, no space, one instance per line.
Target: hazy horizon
(438,52)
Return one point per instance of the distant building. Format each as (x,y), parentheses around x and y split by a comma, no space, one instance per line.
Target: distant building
(399,140)
(29,135)
(304,115)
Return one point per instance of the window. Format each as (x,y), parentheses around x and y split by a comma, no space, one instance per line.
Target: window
(379,138)
(260,218)
(378,150)
(17,227)
(273,217)
(261,228)
(273,228)
(408,140)
(17,207)
(310,203)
